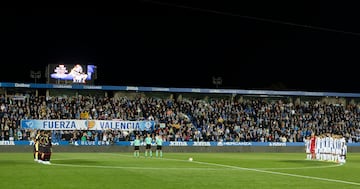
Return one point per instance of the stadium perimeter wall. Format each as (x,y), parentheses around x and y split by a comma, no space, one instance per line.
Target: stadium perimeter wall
(190,149)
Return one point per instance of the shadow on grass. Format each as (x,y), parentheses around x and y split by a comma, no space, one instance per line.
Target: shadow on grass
(76,162)
(15,162)
(307,162)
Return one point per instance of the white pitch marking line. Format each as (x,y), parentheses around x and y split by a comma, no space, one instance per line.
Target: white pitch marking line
(279,173)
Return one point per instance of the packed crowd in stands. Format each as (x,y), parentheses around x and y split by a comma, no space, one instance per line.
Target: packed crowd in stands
(186,119)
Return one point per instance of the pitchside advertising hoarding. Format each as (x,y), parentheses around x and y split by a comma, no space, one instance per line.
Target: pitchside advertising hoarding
(167,144)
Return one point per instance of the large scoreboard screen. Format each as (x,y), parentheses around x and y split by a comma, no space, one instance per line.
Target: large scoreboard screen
(71,73)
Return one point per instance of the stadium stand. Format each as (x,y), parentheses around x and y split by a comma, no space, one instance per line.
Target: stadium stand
(182,116)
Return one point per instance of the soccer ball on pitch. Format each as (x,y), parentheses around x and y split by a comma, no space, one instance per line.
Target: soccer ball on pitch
(190,158)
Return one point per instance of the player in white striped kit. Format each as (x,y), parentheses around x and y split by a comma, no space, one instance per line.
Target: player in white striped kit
(327,147)
(332,148)
(337,148)
(318,147)
(343,150)
(322,148)
(307,148)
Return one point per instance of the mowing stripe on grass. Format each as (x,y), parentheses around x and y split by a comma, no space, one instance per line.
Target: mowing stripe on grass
(148,168)
(297,168)
(272,172)
(219,165)
(264,168)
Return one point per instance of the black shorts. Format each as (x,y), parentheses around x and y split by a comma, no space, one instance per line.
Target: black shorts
(41,149)
(158,147)
(137,148)
(47,150)
(148,146)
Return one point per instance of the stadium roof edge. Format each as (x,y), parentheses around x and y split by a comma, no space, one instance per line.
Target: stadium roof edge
(163,89)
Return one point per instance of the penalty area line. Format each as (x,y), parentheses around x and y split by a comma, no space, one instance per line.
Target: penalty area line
(279,173)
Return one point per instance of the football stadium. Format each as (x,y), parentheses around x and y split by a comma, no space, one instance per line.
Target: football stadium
(64,134)
(181,95)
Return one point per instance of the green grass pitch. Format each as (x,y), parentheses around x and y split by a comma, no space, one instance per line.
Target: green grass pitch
(174,170)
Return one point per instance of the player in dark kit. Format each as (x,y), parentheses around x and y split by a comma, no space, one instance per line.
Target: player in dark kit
(41,139)
(46,154)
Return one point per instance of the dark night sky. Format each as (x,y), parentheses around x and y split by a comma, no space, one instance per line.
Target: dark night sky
(297,46)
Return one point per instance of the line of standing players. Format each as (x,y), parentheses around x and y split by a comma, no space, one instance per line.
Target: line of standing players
(326,147)
(42,147)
